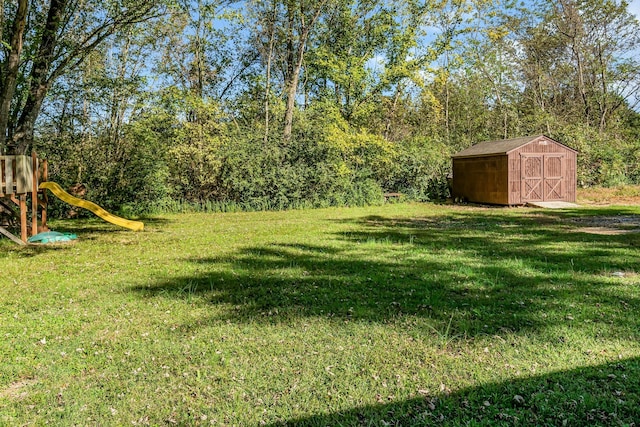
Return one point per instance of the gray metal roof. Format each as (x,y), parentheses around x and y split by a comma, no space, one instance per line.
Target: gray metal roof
(502,146)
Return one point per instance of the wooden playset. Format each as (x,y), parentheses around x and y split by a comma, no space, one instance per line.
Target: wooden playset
(19,187)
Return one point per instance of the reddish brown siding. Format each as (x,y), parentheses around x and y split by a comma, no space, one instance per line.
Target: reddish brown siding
(541,146)
(571,175)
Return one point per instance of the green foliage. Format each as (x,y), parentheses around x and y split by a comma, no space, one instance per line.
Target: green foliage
(194,155)
(324,164)
(186,113)
(357,152)
(127,176)
(603,159)
(147,174)
(207,166)
(420,169)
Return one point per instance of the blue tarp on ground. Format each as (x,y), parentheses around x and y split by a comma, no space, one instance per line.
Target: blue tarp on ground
(52,237)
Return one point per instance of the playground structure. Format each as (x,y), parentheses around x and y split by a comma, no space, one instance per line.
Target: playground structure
(23,180)
(19,177)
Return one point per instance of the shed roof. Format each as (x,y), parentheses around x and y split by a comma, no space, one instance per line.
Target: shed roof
(502,146)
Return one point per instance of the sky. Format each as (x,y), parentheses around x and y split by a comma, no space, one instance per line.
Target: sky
(634,7)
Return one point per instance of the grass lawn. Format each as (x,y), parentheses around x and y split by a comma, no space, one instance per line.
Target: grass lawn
(404,314)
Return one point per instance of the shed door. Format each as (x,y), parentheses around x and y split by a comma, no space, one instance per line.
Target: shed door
(552,180)
(542,177)
(532,177)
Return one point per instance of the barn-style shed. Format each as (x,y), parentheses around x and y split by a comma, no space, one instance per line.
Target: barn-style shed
(515,171)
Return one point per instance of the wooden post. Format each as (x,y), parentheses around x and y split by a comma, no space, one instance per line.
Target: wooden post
(45,197)
(3,163)
(34,194)
(23,217)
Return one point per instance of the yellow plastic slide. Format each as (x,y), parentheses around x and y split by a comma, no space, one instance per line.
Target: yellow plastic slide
(68,198)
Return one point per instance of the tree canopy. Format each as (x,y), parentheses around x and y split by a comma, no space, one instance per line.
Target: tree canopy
(282,103)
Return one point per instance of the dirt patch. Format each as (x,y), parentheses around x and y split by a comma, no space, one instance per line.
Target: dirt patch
(621,274)
(606,231)
(17,390)
(609,225)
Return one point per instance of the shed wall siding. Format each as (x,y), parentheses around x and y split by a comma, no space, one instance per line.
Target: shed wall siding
(482,179)
(515,179)
(541,146)
(571,175)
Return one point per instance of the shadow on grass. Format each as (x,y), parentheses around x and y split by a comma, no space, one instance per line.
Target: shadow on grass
(84,228)
(602,395)
(87,227)
(486,272)
(33,250)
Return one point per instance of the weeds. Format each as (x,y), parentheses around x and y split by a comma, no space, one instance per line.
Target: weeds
(445,337)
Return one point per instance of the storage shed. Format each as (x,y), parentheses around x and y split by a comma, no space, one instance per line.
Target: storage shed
(515,171)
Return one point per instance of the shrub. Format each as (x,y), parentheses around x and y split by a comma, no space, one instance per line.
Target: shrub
(420,169)
(602,157)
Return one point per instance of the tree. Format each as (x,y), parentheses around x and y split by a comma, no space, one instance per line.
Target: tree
(368,49)
(10,67)
(580,60)
(301,18)
(603,38)
(58,37)
(270,30)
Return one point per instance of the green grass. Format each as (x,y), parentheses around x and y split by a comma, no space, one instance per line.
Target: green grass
(405,314)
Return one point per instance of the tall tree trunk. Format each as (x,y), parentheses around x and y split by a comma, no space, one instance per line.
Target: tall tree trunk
(447,98)
(267,90)
(291,23)
(1,13)
(581,83)
(9,73)
(292,91)
(118,104)
(604,95)
(574,32)
(291,77)
(295,66)
(23,137)
(541,102)
(391,115)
